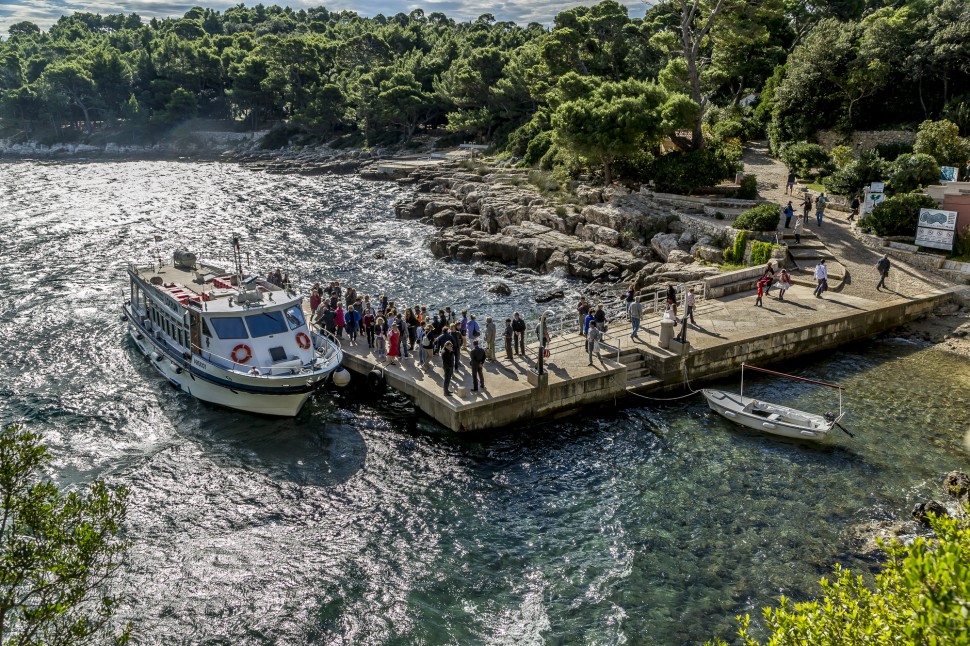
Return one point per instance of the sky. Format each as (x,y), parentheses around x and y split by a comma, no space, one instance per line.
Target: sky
(46,12)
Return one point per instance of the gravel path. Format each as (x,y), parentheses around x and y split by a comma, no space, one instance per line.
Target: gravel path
(859,260)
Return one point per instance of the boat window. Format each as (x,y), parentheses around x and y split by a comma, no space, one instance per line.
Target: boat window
(229,327)
(266,323)
(295,317)
(205,328)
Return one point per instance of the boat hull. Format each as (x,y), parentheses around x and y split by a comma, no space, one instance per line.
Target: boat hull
(738,410)
(281,402)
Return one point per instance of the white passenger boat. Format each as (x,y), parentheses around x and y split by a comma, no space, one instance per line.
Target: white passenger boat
(226,338)
(774,418)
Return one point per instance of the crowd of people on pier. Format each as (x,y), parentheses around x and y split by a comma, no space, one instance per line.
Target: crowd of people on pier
(398,332)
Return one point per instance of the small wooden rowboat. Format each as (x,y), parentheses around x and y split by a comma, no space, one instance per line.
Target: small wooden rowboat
(774,418)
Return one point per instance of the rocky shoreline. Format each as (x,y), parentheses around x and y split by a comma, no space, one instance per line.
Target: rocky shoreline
(598,235)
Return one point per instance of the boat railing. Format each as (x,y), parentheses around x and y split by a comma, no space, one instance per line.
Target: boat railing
(277,369)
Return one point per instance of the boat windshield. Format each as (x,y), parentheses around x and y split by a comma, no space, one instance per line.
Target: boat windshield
(295,317)
(266,323)
(229,327)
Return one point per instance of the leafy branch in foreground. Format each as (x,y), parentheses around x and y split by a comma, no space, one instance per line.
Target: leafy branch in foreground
(922,596)
(57,551)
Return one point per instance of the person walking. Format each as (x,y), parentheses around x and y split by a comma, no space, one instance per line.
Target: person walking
(883,266)
(761,292)
(797,230)
(447,364)
(490,331)
(856,203)
(690,300)
(508,335)
(790,184)
(784,282)
(477,357)
(518,327)
(768,276)
(789,213)
(820,203)
(806,206)
(822,276)
(636,313)
(593,338)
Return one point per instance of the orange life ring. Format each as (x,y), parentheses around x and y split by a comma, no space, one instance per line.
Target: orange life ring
(248,353)
(303,340)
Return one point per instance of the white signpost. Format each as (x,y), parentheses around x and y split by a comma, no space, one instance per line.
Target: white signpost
(936,229)
(871,200)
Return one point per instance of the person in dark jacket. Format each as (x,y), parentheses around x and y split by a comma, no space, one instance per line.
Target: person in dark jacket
(883,266)
(477,356)
(508,335)
(518,328)
(447,363)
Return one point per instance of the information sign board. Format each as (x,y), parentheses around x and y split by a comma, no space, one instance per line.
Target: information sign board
(936,229)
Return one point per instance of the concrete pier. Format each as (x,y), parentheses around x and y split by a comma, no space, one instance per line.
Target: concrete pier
(729,331)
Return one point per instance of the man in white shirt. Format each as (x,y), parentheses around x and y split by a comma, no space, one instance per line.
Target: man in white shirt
(822,276)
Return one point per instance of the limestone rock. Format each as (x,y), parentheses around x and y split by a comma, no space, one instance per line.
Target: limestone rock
(600,234)
(553,295)
(438,205)
(686,239)
(557,260)
(922,509)
(680,257)
(708,253)
(664,243)
(501,289)
(444,218)
(957,484)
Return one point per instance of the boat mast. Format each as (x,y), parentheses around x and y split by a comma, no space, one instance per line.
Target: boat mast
(237,257)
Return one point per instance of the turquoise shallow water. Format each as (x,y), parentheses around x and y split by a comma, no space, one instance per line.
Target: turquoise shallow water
(359,522)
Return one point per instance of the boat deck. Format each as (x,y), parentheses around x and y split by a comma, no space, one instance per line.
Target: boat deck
(204,282)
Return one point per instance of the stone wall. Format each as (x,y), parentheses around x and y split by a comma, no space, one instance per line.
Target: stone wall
(863,140)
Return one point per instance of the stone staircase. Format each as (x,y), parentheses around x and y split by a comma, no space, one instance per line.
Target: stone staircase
(637,370)
(804,256)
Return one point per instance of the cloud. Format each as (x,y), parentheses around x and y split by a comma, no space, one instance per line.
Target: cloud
(46,12)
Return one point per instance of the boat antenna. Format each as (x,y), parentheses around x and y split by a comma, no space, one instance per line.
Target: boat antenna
(237,256)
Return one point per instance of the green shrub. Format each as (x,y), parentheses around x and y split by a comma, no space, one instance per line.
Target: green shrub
(537,148)
(802,157)
(764,217)
(892,150)
(941,140)
(898,215)
(913,171)
(748,190)
(735,253)
(920,597)
(685,172)
(870,167)
(544,181)
(842,156)
(761,252)
(958,111)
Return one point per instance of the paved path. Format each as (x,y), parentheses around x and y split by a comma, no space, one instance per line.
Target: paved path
(859,260)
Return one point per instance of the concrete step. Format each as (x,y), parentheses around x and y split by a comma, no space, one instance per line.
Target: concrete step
(807,244)
(810,254)
(632,375)
(643,383)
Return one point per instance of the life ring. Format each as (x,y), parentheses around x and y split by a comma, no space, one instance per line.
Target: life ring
(303,340)
(242,358)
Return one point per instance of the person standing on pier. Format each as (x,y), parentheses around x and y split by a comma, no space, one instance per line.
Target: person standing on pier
(822,276)
(635,309)
(593,338)
(883,266)
(784,282)
(473,330)
(689,301)
(405,339)
(380,339)
(339,320)
(672,301)
(508,334)
(352,321)
(789,213)
(459,343)
(490,331)
(600,317)
(447,363)
(394,344)
(518,326)
(423,341)
(477,357)
(442,339)
(314,300)
(582,309)
(369,325)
